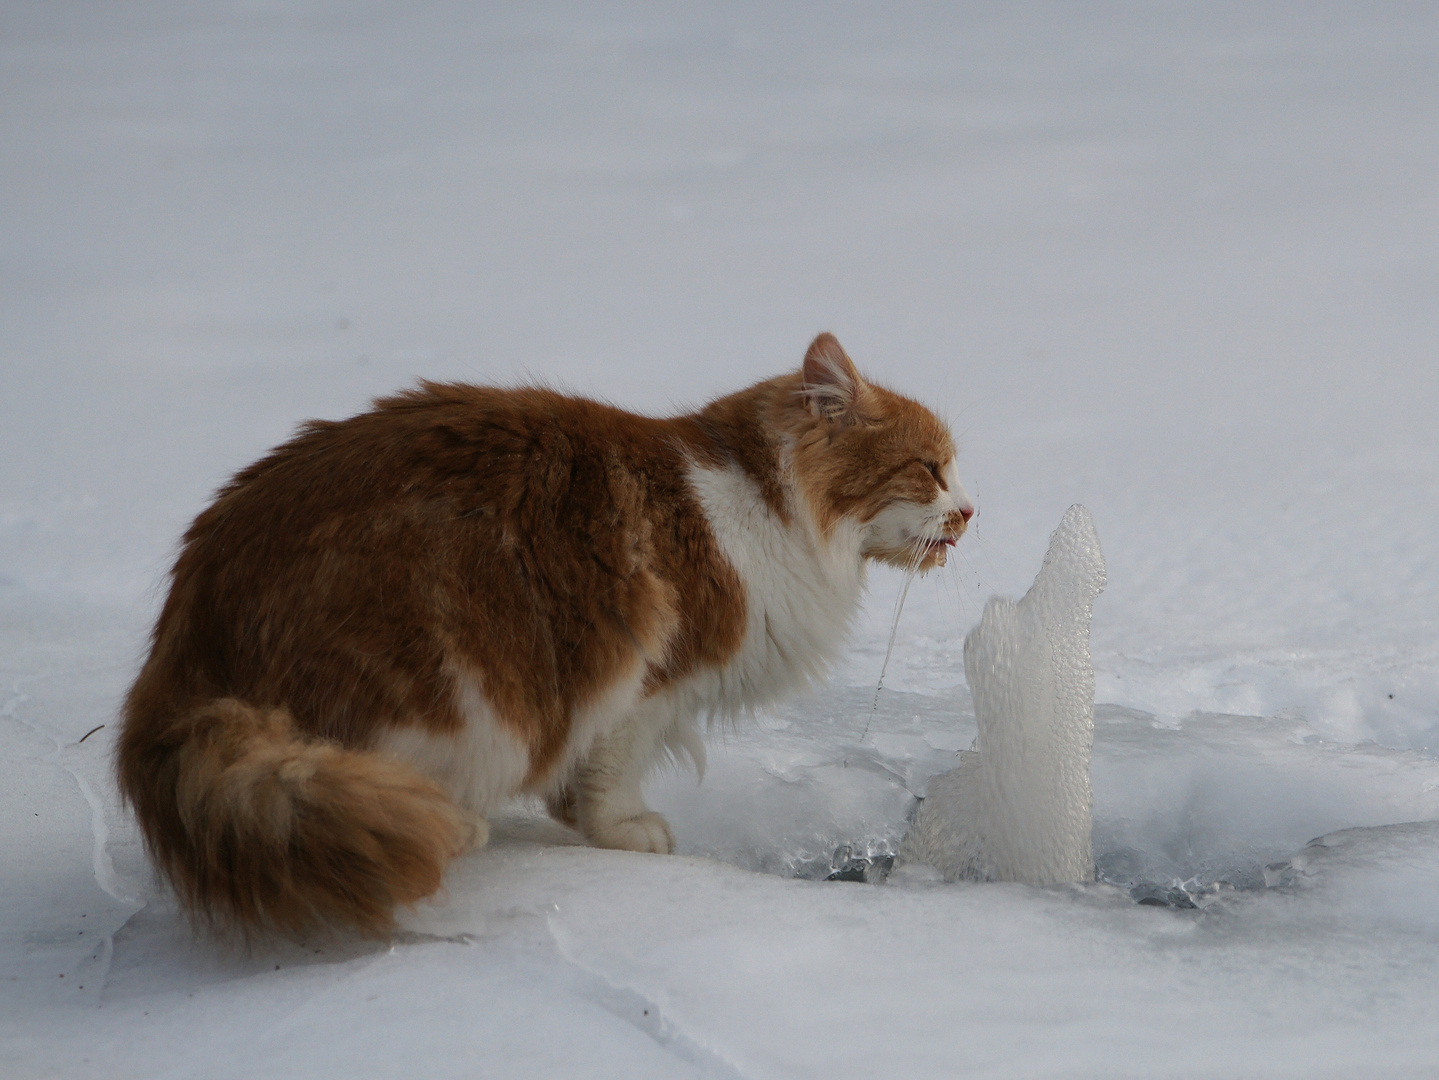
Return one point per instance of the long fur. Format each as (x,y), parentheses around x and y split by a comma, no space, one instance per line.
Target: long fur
(257,827)
(391,625)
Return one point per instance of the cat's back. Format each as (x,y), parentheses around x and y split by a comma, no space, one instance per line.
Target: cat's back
(498,525)
(432,452)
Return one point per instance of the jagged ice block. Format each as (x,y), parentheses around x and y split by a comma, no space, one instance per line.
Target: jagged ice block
(1019,807)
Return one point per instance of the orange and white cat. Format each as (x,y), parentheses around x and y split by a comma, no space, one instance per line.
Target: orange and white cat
(393,624)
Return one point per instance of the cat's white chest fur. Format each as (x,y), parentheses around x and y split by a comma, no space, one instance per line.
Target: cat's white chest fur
(801,592)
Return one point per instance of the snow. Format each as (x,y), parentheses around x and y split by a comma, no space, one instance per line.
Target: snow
(1175,262)
(1019,805)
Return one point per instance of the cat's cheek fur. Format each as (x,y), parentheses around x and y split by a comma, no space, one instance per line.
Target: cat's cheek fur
(897,535)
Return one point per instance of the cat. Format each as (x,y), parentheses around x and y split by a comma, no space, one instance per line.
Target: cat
(391,625)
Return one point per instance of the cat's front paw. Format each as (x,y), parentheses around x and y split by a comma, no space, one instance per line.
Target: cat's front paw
(647,832)
(477,833)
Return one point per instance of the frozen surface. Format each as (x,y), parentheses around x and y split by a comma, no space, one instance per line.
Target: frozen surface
(1018,806)
(1176,262)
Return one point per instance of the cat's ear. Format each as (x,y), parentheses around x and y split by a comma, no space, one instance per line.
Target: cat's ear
(832,386)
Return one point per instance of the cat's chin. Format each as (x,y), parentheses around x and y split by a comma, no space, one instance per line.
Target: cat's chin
(903,558)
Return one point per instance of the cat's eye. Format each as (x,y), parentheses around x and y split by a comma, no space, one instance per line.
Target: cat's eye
(933,468)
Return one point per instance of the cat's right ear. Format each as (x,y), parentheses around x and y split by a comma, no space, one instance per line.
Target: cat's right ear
(831,386)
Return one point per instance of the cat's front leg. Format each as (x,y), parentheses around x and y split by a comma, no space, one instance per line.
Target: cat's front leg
(605,795)
(562,806)
(645,831)
(478,831)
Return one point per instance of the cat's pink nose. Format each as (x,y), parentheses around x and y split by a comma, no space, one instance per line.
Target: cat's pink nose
(966,511)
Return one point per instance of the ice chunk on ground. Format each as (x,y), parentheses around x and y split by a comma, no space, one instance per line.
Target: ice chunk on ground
(1381,876)
(1019,809)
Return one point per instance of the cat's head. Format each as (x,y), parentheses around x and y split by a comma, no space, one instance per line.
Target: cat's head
(877,462)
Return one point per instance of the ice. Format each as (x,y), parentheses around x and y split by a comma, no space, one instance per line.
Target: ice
(813,795)
(1020,807)
(1174,261)
(1380,876)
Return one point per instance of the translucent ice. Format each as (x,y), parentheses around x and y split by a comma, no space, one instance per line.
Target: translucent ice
(1019,807)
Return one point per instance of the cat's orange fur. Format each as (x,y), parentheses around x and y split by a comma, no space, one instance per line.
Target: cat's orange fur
(392,624)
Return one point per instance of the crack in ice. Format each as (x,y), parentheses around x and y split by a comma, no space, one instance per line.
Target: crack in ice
(101,864)
(642,1013)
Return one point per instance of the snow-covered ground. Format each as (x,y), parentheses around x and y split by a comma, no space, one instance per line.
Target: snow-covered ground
(1177,262)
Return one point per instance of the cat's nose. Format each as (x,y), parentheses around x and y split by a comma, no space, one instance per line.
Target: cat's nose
(956,521)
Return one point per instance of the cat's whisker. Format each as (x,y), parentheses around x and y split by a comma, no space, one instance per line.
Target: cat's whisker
(952,590)
(966,554)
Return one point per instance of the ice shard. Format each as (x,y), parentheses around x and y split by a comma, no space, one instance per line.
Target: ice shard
(1019,806)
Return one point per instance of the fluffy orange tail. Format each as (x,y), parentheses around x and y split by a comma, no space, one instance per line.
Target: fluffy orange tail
(257,829)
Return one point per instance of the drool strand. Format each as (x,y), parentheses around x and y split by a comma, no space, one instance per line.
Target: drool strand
(921,547)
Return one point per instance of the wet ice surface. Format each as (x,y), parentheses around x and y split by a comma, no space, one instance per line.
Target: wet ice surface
(1182,811)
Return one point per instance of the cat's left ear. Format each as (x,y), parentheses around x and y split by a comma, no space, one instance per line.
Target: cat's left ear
(832,386)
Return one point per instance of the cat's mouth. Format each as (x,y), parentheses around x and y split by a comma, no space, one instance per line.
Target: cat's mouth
(931,553)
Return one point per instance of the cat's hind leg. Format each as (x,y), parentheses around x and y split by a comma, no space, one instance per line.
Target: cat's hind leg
(481,766)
